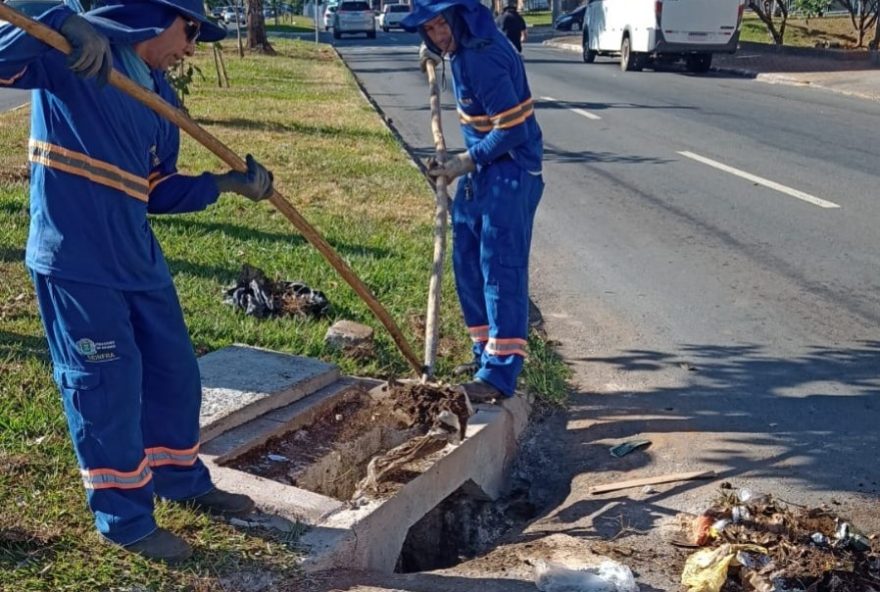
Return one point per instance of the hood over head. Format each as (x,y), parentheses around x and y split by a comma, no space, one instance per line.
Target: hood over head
(133,21)
(471,23)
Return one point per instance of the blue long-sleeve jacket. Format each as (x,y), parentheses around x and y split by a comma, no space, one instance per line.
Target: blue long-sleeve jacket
(100,162)
(495,104)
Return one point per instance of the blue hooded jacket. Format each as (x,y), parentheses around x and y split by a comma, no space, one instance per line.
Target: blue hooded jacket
(491,91)
(100,160)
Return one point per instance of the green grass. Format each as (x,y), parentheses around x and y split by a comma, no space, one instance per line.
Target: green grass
(801,32)
(539,18)
(301,114)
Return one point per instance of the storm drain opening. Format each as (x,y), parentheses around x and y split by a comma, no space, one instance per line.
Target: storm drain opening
(461,527)
(368,444)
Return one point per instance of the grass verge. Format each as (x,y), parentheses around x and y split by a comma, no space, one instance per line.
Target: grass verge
(301,114)
(803,32)
(538,18)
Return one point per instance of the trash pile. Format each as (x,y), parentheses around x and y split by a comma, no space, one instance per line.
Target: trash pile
(757,543)
(261,297)
(604,576)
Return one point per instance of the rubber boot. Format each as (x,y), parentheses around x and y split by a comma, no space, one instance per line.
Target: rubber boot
(478,391)
(221,503)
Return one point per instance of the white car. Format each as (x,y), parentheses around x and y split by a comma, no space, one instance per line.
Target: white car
(646,31)
(328,15)
(391,16)
(229,16)
(354,16)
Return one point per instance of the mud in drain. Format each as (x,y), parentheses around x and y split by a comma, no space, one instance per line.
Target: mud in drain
(396,429)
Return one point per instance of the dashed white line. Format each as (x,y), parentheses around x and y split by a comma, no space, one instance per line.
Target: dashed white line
(580,112)
(811,199)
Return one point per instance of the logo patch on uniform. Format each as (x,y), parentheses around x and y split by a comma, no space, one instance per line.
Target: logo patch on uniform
(465,101)
(154,156)
(97,351)
(86,347)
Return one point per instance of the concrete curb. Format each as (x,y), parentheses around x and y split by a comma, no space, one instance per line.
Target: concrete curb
(770,78)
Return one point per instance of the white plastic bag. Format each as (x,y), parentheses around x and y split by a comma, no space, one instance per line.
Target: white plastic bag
(608,576)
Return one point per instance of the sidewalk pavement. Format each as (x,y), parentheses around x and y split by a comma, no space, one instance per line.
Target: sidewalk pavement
(855,77)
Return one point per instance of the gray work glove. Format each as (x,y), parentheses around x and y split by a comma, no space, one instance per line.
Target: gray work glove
(426,55)
(91,51)
(255,184)
(456,166)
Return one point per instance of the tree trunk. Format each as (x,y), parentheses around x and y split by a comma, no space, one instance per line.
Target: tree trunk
(256,28)
(764,10)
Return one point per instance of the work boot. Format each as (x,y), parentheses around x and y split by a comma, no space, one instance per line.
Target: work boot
(221,503)
(161,545)
(462,369)
(479,391)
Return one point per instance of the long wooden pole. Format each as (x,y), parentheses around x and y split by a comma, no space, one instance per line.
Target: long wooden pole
(180,119)
(432,322)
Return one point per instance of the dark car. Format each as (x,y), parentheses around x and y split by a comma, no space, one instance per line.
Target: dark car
(571,21)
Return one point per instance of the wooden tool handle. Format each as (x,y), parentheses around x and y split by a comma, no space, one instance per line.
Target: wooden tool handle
(432,322)
(181,120)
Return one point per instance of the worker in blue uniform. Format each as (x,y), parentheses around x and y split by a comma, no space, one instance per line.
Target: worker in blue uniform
(496,199)
(99,163)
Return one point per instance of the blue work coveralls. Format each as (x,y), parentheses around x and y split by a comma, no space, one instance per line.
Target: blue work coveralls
(494,207)
(123,361)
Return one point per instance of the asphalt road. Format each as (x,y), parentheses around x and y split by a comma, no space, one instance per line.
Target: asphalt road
(11,98)
(706,255)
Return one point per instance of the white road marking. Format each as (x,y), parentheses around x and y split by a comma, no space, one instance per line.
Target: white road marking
(580,112)
(761,181)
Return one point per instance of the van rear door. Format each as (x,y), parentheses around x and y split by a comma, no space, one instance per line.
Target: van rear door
(699,22)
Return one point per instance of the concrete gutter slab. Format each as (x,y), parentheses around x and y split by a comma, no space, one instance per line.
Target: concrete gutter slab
(240,383)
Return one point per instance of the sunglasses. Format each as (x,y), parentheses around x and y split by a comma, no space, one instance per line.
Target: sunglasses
(192,28)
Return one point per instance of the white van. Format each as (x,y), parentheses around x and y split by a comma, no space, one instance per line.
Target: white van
(642,31)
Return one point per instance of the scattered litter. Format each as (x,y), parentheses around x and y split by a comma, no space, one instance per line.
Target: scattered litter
(607,576)
(687,366)
(740,514)
(623,449)
(706,570)
(261,297)
(648,490)
(759,543)
(278,458)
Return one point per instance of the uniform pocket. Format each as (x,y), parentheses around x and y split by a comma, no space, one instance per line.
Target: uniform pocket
(85,402)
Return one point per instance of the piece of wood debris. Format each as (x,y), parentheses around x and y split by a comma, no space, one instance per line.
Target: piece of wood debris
(667,478)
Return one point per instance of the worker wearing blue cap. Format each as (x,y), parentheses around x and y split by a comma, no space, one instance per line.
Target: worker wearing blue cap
(496,200)
(99,163)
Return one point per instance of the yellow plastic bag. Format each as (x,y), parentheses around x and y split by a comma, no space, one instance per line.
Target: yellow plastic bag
(706,570)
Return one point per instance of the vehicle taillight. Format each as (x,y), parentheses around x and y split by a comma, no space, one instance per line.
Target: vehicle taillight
(658,11)
(739,14)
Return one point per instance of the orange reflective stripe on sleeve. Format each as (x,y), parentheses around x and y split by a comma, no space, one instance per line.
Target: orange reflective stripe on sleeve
(10,81)
(82,165)
(504,120)
(506,347)
(111,478)
(155,180)
(479,334)
(160,456)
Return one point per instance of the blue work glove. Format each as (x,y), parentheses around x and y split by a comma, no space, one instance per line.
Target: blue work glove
(91,54)
(456,166)
(255,184)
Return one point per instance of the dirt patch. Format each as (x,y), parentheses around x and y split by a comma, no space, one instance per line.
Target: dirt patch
(331,456)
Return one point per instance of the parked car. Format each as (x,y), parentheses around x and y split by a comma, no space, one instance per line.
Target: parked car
(571,21)
(391,16)
(354,16)
(229,15)
(329,11)
(646,31)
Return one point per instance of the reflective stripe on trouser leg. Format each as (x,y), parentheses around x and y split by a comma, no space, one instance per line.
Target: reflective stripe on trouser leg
(508,198)
(97,367)
(172,395)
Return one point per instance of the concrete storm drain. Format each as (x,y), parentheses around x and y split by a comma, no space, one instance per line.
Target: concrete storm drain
(380,473)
